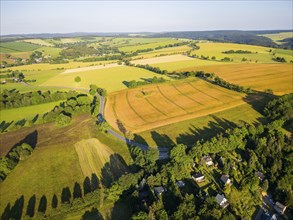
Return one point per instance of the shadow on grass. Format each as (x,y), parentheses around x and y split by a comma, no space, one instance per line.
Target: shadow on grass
(113,169)
(14,212)
(93,214)
(196,134)
(31,139)
(162,140)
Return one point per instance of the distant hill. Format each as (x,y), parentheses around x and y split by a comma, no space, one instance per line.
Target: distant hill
(233,36)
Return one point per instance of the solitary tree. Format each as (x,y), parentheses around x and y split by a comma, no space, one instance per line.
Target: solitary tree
(77,79)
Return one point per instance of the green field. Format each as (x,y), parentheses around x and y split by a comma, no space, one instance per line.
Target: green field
(259,54)
(27,112)
(53,165)
(17,46)
(48,66)
(108,78)
(50,51)
(279,36)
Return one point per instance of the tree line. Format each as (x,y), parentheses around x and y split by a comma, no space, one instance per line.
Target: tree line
(237,51)
(14,99)
(134,83)
(9,162)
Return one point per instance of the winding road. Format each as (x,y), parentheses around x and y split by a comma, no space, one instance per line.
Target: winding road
(163,151)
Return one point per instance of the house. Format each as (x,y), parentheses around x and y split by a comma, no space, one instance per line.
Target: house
(280,208)
(260,175)
(180,184)
(222,201)
(158,190)
(225,179)
(198,177)
(208,160)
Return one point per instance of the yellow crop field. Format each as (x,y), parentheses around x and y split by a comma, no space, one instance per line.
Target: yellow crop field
(162,59)
(153,106)
(109,78)
(92,155)
(190,63)
(258,55)
(148,45)
(278,77)
(164,51)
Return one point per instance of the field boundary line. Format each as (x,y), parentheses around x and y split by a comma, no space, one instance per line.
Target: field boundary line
(187,95)
(130,106)
(155,107)
(170,100)
(204,92)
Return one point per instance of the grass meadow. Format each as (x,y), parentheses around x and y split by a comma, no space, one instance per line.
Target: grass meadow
(27,112)
(109,78)
(258,55)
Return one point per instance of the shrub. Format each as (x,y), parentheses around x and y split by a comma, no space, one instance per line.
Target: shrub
(77,79)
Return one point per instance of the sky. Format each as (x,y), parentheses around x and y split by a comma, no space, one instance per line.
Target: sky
(27,17)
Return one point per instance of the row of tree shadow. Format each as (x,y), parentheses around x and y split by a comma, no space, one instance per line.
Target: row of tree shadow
(90,185)
(191,136)
(79,195)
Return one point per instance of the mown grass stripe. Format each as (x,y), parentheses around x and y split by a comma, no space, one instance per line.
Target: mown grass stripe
(170,100)
(130,106)
(186,95)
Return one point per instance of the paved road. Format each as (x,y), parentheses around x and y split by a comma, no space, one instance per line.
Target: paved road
(163,152)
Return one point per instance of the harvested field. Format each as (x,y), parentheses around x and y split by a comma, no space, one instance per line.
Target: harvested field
(278,77)
(153,106)
(92,155)
(163,59)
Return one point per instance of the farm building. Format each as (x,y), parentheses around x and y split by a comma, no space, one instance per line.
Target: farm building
(225,179)
(208,160)
(198,177)
(222,201)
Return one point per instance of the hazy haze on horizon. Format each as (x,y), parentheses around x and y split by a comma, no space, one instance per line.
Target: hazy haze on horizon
(26,17)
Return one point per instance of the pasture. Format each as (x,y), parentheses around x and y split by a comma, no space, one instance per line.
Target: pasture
(153,106)
(279,36)
(27,112)
(258,55)
(189,131)
(48,66)
(109,78)
(17,46)
(53,165)
(277,77)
